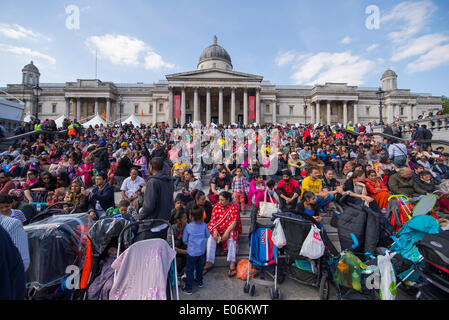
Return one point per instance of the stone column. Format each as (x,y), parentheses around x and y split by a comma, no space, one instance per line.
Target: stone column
(154,111)
(96,105)
(273,110)
(390,113)
(345,113)
(356,113)
(317,119)
(78,109)
(196,113)
(258,117)
(328,113)
(208,115)
(245,107)
(67,108)
(312,114)
(220,106)
(170,107)
(232,105)
(183,106)
(108,110)
(410,112)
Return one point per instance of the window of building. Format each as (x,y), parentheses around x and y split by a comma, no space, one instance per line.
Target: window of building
(161,107)
(122,107)
(53,108)
(39,108)
(136,108)
(367,111)
(150,108)
(291,110)
(267,108)
(277,109)
(402,111)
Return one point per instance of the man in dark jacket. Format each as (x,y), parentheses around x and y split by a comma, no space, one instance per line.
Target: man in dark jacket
(159,152)
(402,182)
(101,198)
(101,159)
(123,169)
(158,202)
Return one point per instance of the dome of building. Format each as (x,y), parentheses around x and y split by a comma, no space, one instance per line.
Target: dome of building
(389,73)
(215,56)
(30,67)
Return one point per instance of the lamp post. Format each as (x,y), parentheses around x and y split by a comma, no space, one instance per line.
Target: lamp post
(37,92)
(380,95)
(120,107)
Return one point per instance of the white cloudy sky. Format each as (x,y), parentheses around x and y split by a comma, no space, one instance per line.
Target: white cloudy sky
(286,42)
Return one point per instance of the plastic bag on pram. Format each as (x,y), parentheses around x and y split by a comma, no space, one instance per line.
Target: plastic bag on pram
(54,244)
(104,230)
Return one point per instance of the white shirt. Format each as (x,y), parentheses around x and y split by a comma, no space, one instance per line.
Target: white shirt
(130,187)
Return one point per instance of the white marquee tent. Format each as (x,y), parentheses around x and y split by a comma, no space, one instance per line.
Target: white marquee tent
(97,120)
(59,121)
(132,119)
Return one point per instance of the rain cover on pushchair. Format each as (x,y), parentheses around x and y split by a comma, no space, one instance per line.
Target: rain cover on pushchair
(54,244)
(104,230)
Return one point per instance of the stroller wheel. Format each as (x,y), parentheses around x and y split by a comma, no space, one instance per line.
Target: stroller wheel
(246,287)
(324,287)
(275,294)
(252,290)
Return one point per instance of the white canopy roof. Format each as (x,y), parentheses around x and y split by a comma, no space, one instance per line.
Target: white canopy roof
(94,121)
(59,121)
(132,119)
(27,118)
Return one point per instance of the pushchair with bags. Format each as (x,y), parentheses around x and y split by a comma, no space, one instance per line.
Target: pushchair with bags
(435,250)
(263,258)
(104,236)
(312,272)
(59,256)
(146,270)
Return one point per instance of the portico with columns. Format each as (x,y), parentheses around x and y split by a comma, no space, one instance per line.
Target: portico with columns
(216,96)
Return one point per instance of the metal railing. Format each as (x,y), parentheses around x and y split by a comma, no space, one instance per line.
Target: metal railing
(384,135)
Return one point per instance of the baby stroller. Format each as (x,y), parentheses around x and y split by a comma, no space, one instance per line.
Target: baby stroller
(156,279)
(263,255)
(104,236)
(315,272)
(59,262)
(435,250)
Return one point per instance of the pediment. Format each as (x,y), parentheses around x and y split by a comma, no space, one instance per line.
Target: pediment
(213,74)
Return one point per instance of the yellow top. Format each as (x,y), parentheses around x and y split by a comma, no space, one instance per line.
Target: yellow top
(314,186)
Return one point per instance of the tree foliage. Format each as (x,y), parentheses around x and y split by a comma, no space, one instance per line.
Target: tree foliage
(445,104)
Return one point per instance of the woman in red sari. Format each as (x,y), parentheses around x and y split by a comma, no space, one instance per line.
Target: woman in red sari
(225,227)
(377,189)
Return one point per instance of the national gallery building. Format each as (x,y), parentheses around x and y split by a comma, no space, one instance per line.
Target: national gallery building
(216,93)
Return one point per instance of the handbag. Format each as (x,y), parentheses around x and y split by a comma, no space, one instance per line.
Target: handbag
(266,209)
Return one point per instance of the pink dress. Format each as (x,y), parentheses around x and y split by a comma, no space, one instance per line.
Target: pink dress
(86,177)
(142,271)
(254,191)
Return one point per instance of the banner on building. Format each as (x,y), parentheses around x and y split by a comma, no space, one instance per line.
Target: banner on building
(252,108)
(177,106)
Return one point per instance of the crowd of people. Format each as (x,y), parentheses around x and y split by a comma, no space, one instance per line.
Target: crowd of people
(156,179)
